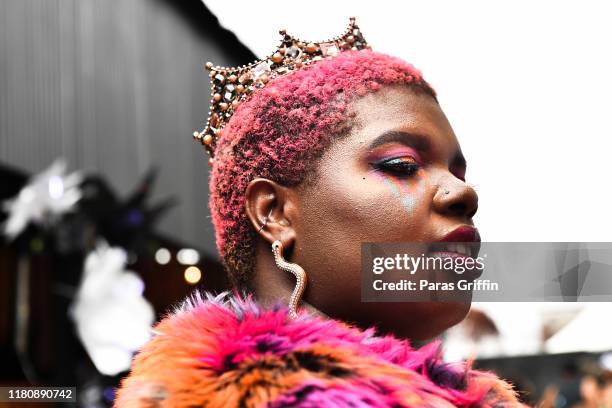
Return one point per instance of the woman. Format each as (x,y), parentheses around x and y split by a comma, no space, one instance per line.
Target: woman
(323,146)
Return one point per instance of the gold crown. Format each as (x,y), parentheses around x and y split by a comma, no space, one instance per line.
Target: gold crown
(233,85)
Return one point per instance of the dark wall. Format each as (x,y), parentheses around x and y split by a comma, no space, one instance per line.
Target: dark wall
(114,87)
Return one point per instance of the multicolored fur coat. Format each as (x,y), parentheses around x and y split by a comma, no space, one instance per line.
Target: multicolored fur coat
(227,351)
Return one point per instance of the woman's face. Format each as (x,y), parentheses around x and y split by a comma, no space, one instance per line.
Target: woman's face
(384,182)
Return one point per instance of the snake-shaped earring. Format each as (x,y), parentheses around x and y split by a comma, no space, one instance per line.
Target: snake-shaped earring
(296,270)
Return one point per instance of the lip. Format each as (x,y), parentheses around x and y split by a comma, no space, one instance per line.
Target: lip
(464,233)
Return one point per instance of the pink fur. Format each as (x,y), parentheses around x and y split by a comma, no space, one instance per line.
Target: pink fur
(228,351)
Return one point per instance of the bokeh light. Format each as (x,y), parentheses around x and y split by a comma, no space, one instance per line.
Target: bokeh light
(193,275)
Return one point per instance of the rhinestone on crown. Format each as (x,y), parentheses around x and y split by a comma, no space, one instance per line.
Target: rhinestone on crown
(231,86)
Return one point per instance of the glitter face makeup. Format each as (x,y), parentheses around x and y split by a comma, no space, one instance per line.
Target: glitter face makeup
(399,168)
(401,193)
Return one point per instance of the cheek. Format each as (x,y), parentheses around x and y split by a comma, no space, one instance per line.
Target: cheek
(409,193)
(342,212)
(369,207)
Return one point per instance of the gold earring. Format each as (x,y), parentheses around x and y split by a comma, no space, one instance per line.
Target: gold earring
(296,270)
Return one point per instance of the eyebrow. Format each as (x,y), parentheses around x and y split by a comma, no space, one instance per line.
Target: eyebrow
(416,141)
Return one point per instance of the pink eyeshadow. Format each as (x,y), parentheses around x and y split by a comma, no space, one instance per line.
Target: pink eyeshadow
(382,153)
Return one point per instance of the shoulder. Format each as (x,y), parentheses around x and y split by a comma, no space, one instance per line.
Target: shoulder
(227,351)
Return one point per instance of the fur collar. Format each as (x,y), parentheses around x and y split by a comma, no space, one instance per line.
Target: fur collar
(228,351)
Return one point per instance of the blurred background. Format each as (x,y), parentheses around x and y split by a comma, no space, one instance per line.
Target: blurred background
(104,193)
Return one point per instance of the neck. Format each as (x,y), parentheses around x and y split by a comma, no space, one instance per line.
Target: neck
(271,285)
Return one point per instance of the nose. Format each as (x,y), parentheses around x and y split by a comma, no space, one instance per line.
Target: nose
(456,198)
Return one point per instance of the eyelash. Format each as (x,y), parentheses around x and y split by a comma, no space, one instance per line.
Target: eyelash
(399,166)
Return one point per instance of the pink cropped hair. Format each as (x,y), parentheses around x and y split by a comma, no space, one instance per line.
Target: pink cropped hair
(280,132)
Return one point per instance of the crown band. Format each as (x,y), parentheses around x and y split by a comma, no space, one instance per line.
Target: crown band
(231,86)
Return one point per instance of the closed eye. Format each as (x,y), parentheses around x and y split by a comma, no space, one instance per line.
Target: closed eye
(398,166)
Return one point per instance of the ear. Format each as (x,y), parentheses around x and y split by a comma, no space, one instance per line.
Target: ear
(269,203)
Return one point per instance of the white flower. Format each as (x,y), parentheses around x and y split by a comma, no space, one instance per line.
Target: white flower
(112,317)
(47,195)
